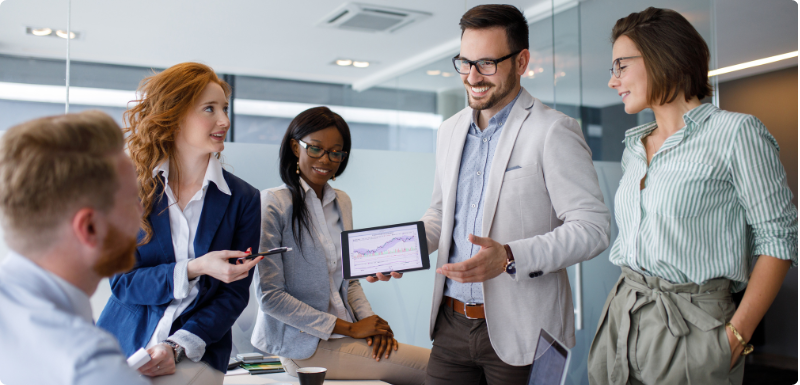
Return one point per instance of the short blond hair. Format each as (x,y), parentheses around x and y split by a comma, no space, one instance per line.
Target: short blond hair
(52,167)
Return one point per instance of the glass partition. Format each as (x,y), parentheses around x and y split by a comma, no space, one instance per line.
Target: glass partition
(604,123)
(380,118)
(394,124)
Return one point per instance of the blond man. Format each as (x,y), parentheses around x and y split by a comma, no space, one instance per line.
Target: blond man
(70,212)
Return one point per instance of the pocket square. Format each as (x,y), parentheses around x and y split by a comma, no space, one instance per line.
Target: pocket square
(512,168)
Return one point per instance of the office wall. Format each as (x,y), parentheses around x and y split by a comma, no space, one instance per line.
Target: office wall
(386,187)
(615,121)
(772,97)
(392,187)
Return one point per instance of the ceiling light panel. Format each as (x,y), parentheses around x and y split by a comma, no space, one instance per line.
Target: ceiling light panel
(754,63)
(371,18)
(40,31)
(45,31)
(63,34)
(349,63)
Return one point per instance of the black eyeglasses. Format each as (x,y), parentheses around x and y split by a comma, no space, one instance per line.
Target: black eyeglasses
(485,67)
(317,152)
(616,70)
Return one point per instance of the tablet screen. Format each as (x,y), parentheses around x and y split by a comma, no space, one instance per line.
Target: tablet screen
(394,248)
(550,361)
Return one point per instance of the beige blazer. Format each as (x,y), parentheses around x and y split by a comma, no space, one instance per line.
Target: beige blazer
(543,200)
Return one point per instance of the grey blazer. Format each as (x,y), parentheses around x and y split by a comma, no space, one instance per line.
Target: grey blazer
(544,201)
(294,288)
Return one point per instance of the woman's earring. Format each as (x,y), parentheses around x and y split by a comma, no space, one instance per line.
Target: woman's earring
(298,167)
(334,178)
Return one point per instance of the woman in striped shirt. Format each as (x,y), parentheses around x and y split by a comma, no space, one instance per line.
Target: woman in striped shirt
(703,210)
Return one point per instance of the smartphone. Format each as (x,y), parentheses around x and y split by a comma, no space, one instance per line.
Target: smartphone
(268,252)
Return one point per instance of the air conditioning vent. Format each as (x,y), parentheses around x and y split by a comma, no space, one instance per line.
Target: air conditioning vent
(371,18)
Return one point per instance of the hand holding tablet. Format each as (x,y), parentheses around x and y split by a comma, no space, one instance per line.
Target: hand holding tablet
(395,248)
(385,278)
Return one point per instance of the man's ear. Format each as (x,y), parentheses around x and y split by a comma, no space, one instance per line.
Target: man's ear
(85,227)
(523,59)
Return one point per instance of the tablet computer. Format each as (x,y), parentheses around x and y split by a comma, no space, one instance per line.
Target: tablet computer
(550,361)
(402,247)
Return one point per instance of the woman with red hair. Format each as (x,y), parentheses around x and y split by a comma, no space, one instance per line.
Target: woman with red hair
(183,296)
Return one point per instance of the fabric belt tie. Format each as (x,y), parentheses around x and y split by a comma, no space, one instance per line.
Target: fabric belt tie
(675,308)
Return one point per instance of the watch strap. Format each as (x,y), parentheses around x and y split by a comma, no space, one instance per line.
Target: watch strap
(178,350)
(511,265)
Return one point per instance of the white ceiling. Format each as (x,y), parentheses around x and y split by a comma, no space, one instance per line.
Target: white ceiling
(280,39)
(746,30)
(750,30)
(261,38)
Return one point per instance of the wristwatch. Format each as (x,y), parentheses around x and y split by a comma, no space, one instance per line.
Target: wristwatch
(179,351)
(511,266)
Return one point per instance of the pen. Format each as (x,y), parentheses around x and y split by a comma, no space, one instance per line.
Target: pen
(268,252)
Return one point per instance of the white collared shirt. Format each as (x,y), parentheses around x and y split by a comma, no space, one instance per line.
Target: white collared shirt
(183,227)
(42,314)
(327,222)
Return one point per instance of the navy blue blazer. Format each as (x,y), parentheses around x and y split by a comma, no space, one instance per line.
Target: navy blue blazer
(140,297)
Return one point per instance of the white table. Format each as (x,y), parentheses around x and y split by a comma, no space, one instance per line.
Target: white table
(285,379)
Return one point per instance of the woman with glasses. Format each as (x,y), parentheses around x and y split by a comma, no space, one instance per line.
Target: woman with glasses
(703,210)
(309,315)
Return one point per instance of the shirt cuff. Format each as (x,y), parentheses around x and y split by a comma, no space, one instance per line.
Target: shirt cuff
(180,277)
(328,330)
(193,346)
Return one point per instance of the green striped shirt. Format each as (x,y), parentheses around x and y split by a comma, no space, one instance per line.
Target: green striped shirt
(715,198)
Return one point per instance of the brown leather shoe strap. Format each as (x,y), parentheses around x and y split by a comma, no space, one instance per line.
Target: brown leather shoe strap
(469,311)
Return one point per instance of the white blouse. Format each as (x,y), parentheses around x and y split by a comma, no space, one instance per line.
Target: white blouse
(183,227)
(328,223)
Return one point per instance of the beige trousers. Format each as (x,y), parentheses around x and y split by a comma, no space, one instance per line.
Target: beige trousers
(351,359)
(652,331)
(191,373)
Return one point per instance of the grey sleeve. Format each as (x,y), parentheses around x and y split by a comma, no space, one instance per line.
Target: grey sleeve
(575,194)
(273,297)
(193,346)
(358,301)
(106,365)
(433,216)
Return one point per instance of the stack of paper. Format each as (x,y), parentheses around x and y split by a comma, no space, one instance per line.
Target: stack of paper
(256,358)
(266,367)
(256,363)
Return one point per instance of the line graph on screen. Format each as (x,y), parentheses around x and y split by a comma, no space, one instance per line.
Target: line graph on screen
(408,244)
(384,250)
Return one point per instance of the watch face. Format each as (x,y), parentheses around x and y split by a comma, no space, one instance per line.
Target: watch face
(511,268)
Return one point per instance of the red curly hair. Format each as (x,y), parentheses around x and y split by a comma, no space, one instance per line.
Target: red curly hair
(163,101)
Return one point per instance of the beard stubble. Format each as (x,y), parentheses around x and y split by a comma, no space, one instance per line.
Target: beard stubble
(118,253)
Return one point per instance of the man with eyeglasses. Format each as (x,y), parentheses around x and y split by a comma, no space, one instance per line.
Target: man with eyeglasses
(515,202)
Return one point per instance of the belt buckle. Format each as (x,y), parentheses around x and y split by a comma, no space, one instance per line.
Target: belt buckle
(466,313)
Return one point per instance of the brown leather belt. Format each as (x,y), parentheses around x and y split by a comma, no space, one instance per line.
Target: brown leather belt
(469,310)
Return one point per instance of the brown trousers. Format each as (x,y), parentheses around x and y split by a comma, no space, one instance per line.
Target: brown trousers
(652,331)
(462,354)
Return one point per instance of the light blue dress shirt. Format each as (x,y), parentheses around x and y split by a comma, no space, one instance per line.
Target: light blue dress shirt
(47,335)
(476,161)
